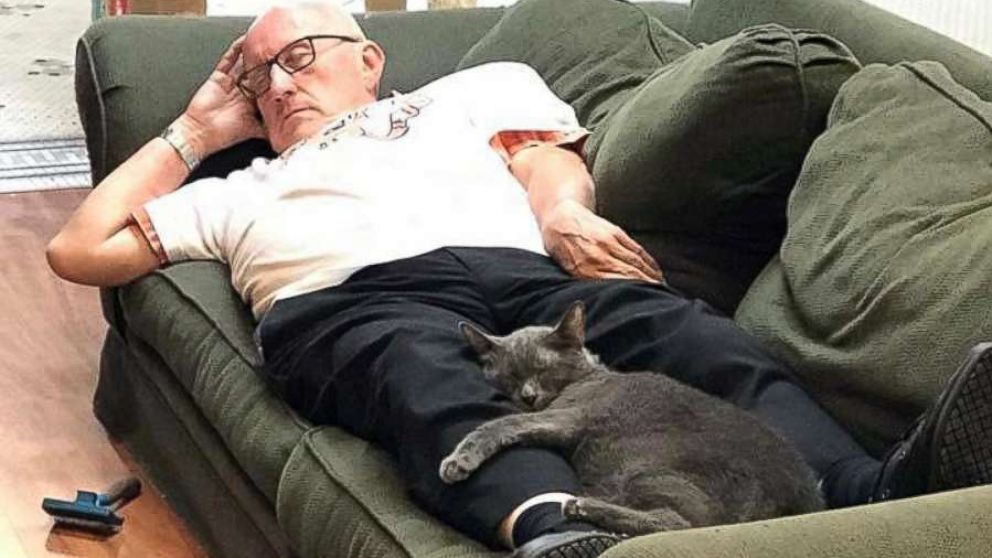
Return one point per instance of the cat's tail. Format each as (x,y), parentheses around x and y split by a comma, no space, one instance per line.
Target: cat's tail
(622,520)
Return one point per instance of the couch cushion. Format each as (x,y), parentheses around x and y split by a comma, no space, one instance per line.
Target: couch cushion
(698,163)
(339,492)
(882,282)
(874,34)
(951,524)
(195,322)
(591,53)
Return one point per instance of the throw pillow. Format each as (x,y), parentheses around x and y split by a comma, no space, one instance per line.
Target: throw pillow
(698,162)
(882,282)
(591,53)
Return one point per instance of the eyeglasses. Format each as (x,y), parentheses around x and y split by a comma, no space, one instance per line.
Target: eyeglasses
(292,58)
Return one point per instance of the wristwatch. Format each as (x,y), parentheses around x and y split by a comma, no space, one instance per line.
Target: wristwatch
(177,140)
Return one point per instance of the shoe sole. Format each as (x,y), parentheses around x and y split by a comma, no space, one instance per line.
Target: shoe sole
(573,545)
(963,452)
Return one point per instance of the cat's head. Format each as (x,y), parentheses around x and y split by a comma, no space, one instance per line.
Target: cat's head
(533,364)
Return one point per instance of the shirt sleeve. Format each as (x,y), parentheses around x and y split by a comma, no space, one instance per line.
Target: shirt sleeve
(191,223)
(513,107)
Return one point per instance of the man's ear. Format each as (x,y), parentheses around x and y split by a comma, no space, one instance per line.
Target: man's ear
(479,340)
(571,330)
(373,64)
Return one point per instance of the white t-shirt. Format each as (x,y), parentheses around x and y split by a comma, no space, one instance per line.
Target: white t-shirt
(394,179)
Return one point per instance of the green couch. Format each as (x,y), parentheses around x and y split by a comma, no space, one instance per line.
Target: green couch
(178,378)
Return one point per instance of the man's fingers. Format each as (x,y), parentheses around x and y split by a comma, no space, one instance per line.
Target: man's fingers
(621,253)
(649,263)
(616,268)
(232,57)
(615,275)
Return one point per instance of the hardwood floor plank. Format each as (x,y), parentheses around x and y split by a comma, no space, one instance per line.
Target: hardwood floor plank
(50,337)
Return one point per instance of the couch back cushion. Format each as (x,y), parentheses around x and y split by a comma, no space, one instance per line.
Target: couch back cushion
(698,162)
(881,284)
(873,34)
(591,53)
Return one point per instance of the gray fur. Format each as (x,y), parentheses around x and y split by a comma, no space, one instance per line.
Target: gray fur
(652,454)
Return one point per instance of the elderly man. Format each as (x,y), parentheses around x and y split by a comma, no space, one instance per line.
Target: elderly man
(383,223)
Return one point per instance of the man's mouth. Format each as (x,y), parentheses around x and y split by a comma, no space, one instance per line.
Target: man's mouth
(295,111)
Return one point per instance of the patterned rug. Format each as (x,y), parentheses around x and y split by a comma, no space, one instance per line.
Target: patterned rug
(39,127)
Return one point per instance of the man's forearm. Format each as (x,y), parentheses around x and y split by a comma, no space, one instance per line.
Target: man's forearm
(553,176)
(154,170)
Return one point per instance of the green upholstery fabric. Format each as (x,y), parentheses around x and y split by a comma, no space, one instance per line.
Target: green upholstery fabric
(947,525)
(883,279)
(339,492)
(713,143)
(873,34)
(202,332)
(591,53)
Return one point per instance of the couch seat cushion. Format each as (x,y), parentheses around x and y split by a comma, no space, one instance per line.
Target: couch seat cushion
(882,282)
(591,53)
(698,163)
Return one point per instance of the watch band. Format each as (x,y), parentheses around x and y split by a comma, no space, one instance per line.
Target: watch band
(178,142)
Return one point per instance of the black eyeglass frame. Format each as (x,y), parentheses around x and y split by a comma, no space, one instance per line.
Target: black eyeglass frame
(241,80)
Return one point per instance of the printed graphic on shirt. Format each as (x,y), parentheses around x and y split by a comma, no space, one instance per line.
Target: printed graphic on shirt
(396,123)
(385,120)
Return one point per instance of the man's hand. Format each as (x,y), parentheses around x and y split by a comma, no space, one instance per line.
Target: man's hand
(560,192)
(218,115)
(586,245)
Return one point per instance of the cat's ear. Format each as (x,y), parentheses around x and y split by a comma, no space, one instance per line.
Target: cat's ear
(482,342)
(572,327)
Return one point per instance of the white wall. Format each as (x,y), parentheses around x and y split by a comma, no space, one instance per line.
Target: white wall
(968,21)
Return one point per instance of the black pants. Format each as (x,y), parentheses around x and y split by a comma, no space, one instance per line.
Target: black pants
(382,356)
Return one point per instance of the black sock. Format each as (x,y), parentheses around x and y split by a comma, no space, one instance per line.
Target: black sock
(851,481)
(542,519)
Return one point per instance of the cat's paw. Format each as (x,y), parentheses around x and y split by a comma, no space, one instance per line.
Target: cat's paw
(572,509)
(456,467)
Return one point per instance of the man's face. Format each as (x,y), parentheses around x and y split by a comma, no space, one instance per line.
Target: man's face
(343,76)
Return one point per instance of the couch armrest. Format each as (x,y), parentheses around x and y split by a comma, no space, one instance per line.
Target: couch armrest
(945,525)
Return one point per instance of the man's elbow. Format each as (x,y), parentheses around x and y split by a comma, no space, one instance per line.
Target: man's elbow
(75,264)
(61,259)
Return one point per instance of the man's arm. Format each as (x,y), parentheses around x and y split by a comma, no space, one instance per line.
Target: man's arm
(97,246)
(561,195)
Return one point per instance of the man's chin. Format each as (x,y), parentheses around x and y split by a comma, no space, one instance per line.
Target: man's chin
(289,138)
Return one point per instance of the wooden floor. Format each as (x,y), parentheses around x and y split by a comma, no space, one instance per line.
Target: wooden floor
(50,443)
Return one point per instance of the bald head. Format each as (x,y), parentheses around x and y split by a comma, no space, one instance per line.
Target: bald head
(325,17)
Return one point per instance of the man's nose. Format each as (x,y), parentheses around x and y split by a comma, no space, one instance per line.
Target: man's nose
(280,81)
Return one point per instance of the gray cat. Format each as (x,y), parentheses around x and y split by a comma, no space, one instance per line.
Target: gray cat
(652,454)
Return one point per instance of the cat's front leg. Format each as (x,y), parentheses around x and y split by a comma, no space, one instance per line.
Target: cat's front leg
(622,520)
(555,428)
